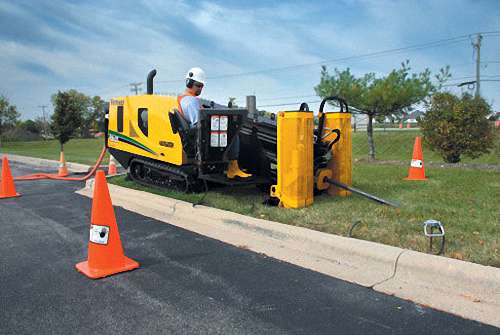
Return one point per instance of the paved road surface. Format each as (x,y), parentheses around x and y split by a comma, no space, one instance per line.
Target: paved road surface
(188,284)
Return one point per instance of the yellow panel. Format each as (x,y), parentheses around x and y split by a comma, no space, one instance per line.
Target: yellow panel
(295,182)
(133,140)
(341,162)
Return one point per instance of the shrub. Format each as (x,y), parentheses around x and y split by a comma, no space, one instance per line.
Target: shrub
(455,126)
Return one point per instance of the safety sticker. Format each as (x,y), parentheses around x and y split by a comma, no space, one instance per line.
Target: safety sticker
(223,139)
(214,139)
(417,163)
(223,122)
(113,138)
(99,234)
(214,122)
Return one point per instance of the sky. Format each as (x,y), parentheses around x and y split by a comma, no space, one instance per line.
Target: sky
(271,49)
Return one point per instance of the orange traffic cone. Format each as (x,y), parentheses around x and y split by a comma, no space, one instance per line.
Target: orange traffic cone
(63,170)
(112,166)
(408,125)
(401,125)
(417,170)
(7,187)
(105,253)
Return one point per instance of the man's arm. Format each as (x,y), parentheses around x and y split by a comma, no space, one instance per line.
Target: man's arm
(191,107)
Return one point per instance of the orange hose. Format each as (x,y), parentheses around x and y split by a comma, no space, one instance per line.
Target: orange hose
(37,176)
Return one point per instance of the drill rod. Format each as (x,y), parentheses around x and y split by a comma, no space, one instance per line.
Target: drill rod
(355,190)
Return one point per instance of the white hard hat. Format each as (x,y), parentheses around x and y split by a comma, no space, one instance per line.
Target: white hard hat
(196,74)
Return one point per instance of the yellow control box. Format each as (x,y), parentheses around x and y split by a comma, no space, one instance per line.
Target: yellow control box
(295,175)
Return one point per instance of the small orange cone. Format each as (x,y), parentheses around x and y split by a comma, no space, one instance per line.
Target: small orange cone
(497,124)
(112,166)
(417,170)
(105,253)
(408,125)
(401,125)
(7,187)
(63,169)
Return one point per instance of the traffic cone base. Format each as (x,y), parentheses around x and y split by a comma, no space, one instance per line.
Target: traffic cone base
(7,186)
(15,195)
(128,265)
(63,169)
(112,166)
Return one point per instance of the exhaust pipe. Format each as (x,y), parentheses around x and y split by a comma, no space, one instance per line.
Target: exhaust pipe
(151,75)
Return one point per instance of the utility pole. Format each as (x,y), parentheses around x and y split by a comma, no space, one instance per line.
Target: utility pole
(44,130)
(477,48)
(135,87)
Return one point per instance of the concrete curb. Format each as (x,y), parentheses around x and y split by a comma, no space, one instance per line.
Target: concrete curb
(466,289)
(47,163)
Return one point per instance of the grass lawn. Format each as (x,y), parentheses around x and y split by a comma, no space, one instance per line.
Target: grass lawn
(398,145)
(389,145)
(83,151)
(464,200)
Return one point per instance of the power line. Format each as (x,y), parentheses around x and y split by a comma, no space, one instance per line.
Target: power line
(289,97)
(343,59)
(437,43)
(442,42)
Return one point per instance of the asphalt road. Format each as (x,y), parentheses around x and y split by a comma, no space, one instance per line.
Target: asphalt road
(187,283)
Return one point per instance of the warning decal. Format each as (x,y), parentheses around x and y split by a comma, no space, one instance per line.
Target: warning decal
(99,234)
(223,139)
(214,122)
(214,139)
(223,122)
(417,163)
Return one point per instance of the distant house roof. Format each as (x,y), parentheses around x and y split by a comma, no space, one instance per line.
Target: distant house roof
(413,115)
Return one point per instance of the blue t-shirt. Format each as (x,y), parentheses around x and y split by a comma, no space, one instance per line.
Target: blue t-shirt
(191,106)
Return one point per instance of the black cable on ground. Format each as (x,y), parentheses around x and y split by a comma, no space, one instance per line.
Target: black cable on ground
(353,225)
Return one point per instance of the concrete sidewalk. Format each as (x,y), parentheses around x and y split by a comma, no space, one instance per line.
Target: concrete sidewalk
(462,288)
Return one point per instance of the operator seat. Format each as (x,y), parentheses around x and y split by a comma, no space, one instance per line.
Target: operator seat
(179,123)
(188,135)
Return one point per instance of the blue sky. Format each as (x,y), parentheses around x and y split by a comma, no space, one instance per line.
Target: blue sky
(99,47)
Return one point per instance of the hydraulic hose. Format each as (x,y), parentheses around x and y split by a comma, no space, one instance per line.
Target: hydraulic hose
(37,176)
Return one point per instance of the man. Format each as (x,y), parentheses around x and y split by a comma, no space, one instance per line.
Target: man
(190,105)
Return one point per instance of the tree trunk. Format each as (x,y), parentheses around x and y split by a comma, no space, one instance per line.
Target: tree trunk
(62,146)
(369,131)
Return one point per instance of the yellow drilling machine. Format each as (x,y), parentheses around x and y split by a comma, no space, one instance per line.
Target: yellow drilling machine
(289,157)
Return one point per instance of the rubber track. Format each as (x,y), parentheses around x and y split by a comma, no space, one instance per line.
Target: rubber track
(164,183)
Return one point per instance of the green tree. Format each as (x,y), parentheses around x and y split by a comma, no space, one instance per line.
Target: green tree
(8,114)
(455,126)
(31,126)
(378,98)
(67,119)
(98,106)
(92,115)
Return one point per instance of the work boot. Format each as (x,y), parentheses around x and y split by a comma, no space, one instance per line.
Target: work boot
(233,170)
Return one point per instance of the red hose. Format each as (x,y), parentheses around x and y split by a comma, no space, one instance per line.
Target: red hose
(37,176)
